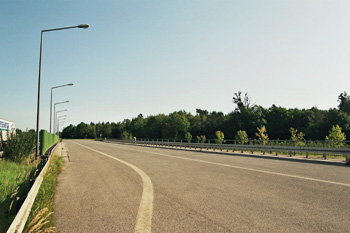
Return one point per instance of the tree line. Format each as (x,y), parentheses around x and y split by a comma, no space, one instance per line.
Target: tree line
(314,124)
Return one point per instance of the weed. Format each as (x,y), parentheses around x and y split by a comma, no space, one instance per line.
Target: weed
(16,180)
(45,196)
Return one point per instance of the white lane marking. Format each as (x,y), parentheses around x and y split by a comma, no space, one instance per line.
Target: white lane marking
(144,215)
(242,168)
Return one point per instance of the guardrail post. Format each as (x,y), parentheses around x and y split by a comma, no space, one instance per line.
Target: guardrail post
(324,156)
(307,155)
(347,158)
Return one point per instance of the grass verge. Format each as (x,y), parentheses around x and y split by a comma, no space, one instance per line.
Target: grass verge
(16,180)
(40,218)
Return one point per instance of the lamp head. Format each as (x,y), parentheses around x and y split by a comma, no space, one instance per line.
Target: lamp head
(85,26)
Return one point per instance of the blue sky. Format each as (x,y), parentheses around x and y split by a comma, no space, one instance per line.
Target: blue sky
(154,57)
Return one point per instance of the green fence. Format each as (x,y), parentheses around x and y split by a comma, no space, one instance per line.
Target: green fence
(47,140)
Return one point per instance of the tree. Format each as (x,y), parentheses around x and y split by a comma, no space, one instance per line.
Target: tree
(344,102)
(137,126)
(244,103)
(107,130)
(126,135)
(154,126)
(179,124)
(219,137)
(92,131)
(262,135)
(82,130)
(215,122)
(297,138)
(242,137)
(278,128)
(117,130)
(202,116)
(336,137)
(69,132)
(188,137)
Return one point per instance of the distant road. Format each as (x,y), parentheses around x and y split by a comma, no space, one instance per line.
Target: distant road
(124,188)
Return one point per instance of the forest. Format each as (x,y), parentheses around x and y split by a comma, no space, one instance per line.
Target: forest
(314,124)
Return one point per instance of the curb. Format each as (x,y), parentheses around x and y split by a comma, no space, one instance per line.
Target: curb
(23,213)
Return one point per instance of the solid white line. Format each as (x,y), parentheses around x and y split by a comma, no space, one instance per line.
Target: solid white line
(144,215)
(242,168)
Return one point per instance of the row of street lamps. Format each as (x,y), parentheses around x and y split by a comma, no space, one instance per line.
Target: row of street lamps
(56,119)
(70,84)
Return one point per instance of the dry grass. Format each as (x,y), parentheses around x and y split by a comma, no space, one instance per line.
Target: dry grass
(39,222)
(44,201)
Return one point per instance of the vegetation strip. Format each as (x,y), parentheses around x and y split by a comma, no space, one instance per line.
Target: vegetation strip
(21,217)
(18,170)
(18,153)
(15,182)
(41,215)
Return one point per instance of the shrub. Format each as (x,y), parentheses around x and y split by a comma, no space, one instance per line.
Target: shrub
(19,146)
(297,138)
(262,135)
(201,139)
(336,137)
(188,137)
(219,137)
(242,137)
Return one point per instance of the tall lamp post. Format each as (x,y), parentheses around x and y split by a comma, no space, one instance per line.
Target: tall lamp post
(54,110)
(55,126)
(70,84)
(85,26)
(60,122)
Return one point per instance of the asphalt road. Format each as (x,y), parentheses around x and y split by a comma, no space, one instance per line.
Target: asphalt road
(124,188)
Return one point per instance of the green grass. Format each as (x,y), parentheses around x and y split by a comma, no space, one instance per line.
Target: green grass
(16,180)
(44,201)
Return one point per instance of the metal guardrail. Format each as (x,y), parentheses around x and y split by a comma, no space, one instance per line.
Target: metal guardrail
(291,150)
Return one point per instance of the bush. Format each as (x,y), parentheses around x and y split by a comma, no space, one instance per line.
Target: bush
(242,137)
(336,137)
(297,138)
(201,139)
(188,137)
(219,137)
(262,135)
(19,146)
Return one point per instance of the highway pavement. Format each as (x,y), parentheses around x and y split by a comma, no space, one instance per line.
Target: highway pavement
(109,187)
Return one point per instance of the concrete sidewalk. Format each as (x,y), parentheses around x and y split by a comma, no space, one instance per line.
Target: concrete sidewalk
(61,150)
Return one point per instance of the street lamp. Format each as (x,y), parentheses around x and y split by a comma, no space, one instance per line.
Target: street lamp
(60,122)
(70,84)
(54,110)
(84,26)
(55,123)
(61,116)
